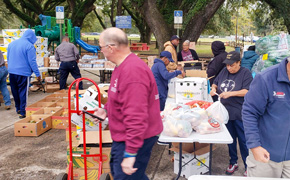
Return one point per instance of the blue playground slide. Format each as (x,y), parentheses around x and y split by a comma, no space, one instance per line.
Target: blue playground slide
(87,47)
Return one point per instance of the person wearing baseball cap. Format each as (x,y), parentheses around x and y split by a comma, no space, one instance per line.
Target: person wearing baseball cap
(162,76)
(171,46)
(232,84)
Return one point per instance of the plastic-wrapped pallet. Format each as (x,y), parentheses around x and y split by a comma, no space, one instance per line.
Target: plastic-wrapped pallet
(272,50)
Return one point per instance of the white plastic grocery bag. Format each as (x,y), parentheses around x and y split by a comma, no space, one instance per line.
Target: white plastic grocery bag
(218,111)
(176,128)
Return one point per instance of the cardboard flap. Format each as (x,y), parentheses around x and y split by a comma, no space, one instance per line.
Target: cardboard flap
(92,137)
(196,73)
(187,148)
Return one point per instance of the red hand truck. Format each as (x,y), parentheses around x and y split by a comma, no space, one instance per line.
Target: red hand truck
(69,176)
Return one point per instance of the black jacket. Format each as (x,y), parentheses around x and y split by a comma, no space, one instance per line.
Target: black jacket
(216,65)
(193,53)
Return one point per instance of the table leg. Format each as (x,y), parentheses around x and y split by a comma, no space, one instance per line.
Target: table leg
(180,161)
(102,76)
(210,158)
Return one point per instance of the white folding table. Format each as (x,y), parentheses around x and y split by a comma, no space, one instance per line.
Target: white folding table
(89,70)
(222,137)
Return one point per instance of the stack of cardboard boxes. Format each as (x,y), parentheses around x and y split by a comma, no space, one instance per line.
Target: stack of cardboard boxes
(51,84)
(39,116)
(52,112)
(195,158)
(40,45)
(89,99)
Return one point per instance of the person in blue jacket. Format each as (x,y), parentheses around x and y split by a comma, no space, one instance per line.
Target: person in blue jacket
(162,76)
(249,58)
(21,58)
(266,120)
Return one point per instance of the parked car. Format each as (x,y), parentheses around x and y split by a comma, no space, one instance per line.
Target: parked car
(134,35)
(255,38)
(95,33)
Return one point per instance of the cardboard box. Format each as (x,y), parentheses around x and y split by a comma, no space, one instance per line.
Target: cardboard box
(49,79)
(109,65)
(58,95)
(151,60)
(46,62)
(51,111)
(103,91)
(63,91)
(88,102)
(92,174)
(92,137)
(27,127)
(92,162)
(1,98)
(75,136)
(66,100)
(60,121)
(36,106)
(50,99)
(191,88)
(196,73)
(53,87)
(64,104)
(190,165)
(189,147)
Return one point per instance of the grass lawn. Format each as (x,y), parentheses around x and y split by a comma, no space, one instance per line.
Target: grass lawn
(92,37)
(202,50)
(205,50)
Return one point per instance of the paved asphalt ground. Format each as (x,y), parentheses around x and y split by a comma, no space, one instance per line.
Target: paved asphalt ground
(43,157)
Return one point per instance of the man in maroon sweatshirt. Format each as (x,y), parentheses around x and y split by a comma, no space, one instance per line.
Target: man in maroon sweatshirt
(132,108)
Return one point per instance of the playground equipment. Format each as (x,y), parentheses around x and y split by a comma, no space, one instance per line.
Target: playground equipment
(51,30)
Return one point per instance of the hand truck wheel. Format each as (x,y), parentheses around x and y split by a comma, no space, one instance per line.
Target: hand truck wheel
(105,176)
(61,176)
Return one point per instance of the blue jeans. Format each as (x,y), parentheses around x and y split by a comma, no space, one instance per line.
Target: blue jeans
(162,103)
(69,67)
(141,162)
(3,86)
(19,88)
(236,129)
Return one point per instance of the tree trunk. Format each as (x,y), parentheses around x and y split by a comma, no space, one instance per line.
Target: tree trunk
(80,11)
(156,22)
(100,19)
(146,35)
(112,13)
(198,22)
(140,23)
(119,8)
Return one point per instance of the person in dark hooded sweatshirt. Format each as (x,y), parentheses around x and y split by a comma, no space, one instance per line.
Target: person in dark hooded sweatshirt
(21,58)
(162,76)
(215,66)
(249,58)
